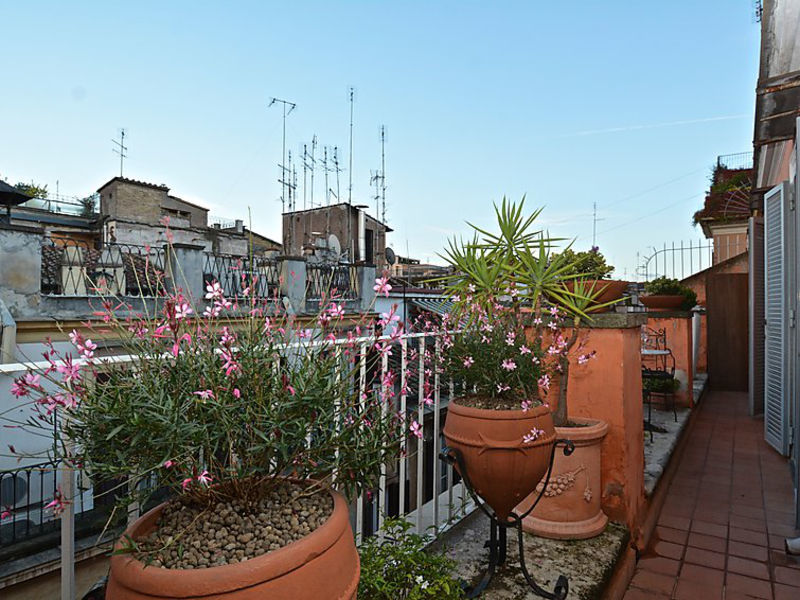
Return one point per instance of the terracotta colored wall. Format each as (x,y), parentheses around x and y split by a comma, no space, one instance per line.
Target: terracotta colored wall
(678,327)
(609,387)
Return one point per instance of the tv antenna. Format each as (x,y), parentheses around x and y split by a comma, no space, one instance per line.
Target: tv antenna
(313,165)
(350,167)
(121,149)
(594,224)
(284,178)
(383,174)
(337,169)
(325,171)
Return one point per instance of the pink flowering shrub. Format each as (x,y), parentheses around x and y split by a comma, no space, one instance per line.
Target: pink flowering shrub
(223,395)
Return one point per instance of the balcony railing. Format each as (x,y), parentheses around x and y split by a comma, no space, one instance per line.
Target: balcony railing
(74,268)
(324,279)
(236,273)
(739,160)
(417,486)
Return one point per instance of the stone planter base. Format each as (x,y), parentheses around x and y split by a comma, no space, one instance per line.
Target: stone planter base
(571,508)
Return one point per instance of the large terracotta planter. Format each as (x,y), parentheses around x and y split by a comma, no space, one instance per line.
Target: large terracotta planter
(662,302)
(501,467)
(324,564)
(607,290)
(571,508)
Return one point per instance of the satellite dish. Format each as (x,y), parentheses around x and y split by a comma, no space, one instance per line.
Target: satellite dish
(391,257)
(334,247)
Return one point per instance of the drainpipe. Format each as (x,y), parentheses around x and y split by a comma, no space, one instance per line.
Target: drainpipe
(697,313)
(8,335)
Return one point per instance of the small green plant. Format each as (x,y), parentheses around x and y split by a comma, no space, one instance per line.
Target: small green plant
(664,286)
(397,567)
(660,385)
(589,263)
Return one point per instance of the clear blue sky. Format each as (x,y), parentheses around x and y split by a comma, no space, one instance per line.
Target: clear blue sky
(567,102)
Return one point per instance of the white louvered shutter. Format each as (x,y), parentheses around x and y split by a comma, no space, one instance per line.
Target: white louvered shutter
(776,393)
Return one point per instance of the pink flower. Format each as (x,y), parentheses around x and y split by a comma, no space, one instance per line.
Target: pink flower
(230,364)
(584,358)
(552,325)
(58,504)
(19,389)
(524,349)
(204,394)
(502,388)
(6,514)
(534,435)
(336,310)
(177,345)
(237,393)
(509,365)
(468,362)
(88,349)
(168,464)
(526,405)
(511,338)
(384,349)
(416,429)
(382,286)
(69,370)
(537,321)
(32,380)
(186,482)
(214,290)
(544,382)
(291,390)
(204,478)
(554,311)
(183,310)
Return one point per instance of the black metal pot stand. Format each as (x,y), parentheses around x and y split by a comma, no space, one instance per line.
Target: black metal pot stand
(498,531)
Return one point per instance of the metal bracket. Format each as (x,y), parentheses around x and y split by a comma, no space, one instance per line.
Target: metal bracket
(498,531)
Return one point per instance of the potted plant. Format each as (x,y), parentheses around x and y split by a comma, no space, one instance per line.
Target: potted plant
(250,422)
(591,268)
(510,285)
(664,293)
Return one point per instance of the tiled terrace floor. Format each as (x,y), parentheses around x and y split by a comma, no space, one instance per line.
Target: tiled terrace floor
(727,512)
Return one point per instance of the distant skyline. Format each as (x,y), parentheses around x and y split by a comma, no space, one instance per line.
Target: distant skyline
(626,105)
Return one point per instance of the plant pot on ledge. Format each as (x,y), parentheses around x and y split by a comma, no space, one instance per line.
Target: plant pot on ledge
(323,564)
(501,468)
(662,302)
(571,507)
(606,290)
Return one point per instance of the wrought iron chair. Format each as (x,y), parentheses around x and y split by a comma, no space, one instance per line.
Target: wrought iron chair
(658,371)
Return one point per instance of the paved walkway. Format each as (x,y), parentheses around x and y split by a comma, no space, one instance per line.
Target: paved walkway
(727,512)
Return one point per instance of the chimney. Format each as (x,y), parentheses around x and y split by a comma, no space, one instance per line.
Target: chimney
(239,226)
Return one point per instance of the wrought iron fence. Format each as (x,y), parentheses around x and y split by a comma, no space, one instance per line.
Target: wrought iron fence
(327,280)
(78,268)
(684,259)
(237,273)
(739,160)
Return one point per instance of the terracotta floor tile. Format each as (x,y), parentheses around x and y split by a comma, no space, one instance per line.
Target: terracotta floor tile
(653,582)
(669,550)
(748,585)
(659,564)
(751,568)
(675,522)
(637,594)
(706,528)
(781,559)
(751,537)
(748,523)
(706,558)
(789,576)
(720,517)
(784,529)
(748,511)
(702,574)
(668,534)
(707,542)
(785,592)
(777,542)
(750,551)
(689,589)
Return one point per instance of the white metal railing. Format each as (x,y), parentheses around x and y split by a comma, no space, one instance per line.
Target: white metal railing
(683,259)
(414,486)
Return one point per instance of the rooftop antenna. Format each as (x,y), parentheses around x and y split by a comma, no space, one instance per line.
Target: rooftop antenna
(594,224)
(338,170)
(350,174)
(325,170)
(305,170)
(383,174)
(121,149)
(291,106)
(313,166)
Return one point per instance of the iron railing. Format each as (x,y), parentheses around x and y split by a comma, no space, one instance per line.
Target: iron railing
(331,280)
(739,160)
(77,268)
(684,259)
(237,273)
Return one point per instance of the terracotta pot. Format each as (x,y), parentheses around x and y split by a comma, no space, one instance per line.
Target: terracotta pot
(502,469)
(609,290)
(662,302)
(571,510)
(324,564)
